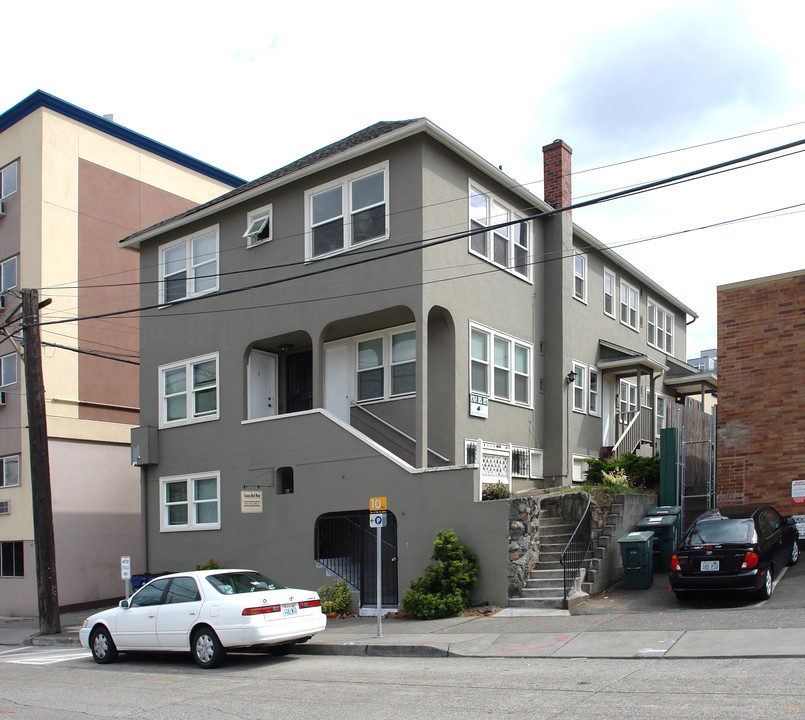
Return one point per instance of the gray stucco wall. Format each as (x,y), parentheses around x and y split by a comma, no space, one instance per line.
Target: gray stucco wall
(337,472)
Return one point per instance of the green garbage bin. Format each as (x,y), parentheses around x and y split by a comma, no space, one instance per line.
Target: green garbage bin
(675,510)
(636,553)
(664,528)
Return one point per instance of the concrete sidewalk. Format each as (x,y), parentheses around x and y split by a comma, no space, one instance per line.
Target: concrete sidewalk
(620,624)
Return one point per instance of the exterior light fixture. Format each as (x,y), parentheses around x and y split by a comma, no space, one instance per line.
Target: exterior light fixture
(571,376)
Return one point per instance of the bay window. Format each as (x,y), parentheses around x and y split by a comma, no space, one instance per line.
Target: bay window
(506,246)
(500,364)
(660,327)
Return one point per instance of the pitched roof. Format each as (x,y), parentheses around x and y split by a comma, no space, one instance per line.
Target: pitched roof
(40,99)
(348,143)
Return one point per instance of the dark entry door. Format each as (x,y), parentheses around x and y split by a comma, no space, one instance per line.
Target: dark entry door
(299,381)
(347,546)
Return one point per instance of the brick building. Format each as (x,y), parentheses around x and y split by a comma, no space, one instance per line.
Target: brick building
(761,390)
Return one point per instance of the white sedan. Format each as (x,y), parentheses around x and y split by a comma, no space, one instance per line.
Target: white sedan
(206,612)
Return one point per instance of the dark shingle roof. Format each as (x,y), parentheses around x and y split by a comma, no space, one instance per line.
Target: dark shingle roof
(356,139)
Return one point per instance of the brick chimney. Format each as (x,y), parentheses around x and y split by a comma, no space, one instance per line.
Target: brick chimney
(556,158)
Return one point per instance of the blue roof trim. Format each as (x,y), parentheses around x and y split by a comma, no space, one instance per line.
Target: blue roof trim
(42,99)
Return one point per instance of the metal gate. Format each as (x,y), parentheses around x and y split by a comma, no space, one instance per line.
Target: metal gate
(347,547)
(696,466)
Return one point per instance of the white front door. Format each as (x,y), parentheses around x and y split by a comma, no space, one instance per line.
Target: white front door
(336,381)
(262,373)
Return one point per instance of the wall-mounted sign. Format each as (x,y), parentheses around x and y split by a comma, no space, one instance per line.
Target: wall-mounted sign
(798,491)
(479,405)
(251,501)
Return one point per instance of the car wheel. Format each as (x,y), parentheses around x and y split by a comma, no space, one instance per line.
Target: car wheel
(768,585)
(102,646)
(207,649)
(283,649)
(794,553)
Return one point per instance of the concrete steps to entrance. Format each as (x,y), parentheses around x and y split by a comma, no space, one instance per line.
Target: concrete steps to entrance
(545,585)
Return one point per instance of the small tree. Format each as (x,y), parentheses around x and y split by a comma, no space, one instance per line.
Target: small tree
(448,583)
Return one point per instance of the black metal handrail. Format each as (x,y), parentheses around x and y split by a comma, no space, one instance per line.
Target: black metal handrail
(575,551)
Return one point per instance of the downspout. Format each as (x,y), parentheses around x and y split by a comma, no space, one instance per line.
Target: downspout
(144,517)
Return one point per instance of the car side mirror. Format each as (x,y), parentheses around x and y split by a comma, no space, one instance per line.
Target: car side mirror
(124,604)
(790,521)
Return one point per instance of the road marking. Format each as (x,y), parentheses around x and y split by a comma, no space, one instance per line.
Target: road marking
(36,656)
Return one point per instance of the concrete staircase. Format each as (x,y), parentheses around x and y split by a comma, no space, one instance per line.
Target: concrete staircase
(544,588)
(605,551)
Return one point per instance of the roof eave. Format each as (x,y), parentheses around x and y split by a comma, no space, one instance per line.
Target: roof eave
(422,125)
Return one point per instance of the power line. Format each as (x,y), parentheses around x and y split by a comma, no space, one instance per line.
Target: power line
(140,283)
(673,180)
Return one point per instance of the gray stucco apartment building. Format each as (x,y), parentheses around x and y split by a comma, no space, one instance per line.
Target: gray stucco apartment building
(390,316)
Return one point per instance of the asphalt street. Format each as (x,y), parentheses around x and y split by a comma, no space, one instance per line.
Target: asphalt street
(620,623)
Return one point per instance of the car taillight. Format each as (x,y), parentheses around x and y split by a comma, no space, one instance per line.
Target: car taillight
(264,610)
(675,566)
(750,560)
(309,604)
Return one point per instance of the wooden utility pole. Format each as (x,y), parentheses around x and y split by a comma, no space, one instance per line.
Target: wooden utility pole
(49,622)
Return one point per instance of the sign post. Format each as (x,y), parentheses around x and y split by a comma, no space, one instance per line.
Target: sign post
(377,518)
(125,572)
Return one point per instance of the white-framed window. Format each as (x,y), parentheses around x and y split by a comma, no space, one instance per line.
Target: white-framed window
(8,369)
(11,559)
(579,387)
(8,180)
(259,226)
(660,327)
(629,305)
(11,471)
(386,365)
(580,277)
(188,391)
(627,398)
(189,267)
(8,274)
(500,366)
(609,293)
(579,468)
(190,502)
(594,392)
(347,212)
(660,403)
(506,246)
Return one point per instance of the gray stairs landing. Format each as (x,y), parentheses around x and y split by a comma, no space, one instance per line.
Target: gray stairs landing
(545,585)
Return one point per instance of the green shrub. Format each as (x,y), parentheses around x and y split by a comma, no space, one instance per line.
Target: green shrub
(209,565)
(448,583)
(642,472)
(498,491)
(335,598)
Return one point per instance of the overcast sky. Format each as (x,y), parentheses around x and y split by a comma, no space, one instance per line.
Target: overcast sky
(251,86)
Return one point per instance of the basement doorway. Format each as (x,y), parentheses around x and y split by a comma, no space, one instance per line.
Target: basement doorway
(347,547)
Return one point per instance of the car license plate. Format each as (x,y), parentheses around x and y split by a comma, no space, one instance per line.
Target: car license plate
(290,609)
(709,565)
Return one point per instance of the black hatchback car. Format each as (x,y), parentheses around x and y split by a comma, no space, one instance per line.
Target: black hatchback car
(737,550)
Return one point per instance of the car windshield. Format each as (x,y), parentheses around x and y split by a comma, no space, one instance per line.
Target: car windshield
(714,532)
(234,583)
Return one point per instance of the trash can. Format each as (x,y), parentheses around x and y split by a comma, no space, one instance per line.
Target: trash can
(636,552)
(675,510)
(665,536)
